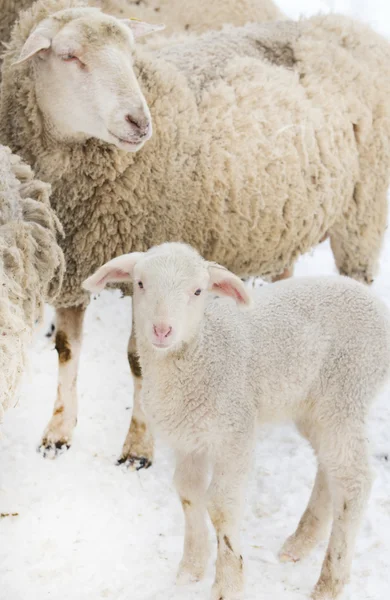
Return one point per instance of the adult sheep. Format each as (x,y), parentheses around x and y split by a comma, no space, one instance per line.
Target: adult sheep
(196,16)
(265,139)
(29,260)
(179,15)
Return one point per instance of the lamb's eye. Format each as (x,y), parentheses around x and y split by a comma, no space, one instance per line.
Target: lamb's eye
(198,292)
(140,285)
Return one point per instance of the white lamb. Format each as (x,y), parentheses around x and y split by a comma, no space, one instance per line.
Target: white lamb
(313,350)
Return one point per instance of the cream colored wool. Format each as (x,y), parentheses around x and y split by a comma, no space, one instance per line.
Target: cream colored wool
(263,142)
(196,16)
(29,259)
(266,138)
(178,15)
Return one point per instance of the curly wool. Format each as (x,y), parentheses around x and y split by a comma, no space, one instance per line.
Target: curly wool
(29,259)
(178,15)
(196,16)
(266,138)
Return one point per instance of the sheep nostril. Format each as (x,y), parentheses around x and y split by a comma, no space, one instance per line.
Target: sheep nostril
(142,126)
(132,122)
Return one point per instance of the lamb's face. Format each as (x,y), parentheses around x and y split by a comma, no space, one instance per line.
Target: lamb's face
(170,284)
(85,83)
(170,289)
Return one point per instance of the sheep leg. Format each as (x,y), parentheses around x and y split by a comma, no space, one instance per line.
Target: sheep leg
(191,484)
(286,274)
(349,475)
(224,506)
(313,524)
(137,451)
(58,434)
(357,238)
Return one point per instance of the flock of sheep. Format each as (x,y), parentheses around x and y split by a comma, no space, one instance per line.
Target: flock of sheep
(250,143)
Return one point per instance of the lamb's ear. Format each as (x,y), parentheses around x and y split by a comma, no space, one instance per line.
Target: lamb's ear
(140,28)
(115,271)
(36,42)
(223,282)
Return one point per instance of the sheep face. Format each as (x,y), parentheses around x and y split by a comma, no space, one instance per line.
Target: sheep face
(170,282)
(84,77)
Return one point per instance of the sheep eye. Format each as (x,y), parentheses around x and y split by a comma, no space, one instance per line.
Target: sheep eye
(72,58)
(198,292)
(140,285)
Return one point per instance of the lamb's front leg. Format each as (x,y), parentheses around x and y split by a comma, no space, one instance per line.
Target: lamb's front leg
(58,433)
(191,485)
(225,504)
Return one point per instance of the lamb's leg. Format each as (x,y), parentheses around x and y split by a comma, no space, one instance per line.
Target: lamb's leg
(313,524)
(58,433)
(224,505)
(349,475)
(137,451)
(191,485)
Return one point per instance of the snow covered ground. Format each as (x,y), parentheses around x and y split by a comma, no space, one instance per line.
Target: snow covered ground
(89,530)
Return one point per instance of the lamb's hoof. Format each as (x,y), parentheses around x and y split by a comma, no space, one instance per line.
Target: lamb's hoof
(228,595)
(52,450)
(322,595)
(296,548)
(287,557)
(326,591)
(186,577)
(135,463)
(190,572)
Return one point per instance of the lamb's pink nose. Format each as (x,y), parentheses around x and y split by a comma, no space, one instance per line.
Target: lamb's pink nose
(161,332)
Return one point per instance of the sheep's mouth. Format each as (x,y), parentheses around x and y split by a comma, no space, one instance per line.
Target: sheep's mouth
(129,143)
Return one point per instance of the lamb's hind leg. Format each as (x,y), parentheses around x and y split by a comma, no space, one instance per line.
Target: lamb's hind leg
(137,451)
(58,433)
(313,525)
(345,457)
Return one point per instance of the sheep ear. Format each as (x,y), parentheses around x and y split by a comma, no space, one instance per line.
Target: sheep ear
(117,270)
(34,44)
(140,28)
(224,283)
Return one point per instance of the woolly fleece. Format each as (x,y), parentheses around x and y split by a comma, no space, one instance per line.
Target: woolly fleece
(29,259)
(266,138)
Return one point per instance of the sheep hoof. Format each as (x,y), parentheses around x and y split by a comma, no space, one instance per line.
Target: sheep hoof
(50,332)
(53,449)
(134,463)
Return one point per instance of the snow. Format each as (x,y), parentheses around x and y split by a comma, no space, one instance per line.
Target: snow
(89,530)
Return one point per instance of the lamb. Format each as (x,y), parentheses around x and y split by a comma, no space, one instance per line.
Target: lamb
(31,265)
(266,138)
(312,350)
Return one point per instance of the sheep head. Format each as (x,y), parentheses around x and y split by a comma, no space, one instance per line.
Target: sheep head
(84,77)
